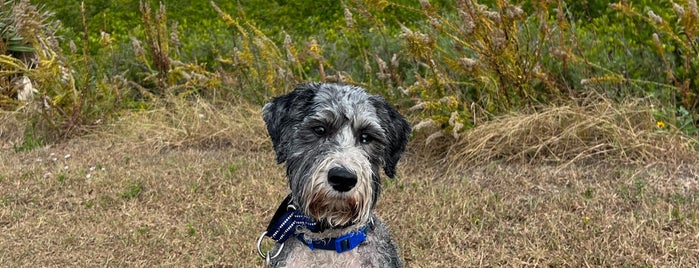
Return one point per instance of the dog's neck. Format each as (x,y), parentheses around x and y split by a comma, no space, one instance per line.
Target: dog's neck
(326,231)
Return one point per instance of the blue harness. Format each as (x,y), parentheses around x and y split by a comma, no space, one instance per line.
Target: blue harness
(287,219)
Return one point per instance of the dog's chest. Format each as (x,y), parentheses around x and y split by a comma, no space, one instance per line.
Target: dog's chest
(303,257)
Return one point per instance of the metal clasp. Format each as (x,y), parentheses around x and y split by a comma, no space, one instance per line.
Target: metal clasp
(267,257)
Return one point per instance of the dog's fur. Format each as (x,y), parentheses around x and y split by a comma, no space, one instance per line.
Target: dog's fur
(334,139)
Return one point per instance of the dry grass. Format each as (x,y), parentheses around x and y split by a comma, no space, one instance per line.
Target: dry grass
(593,129)
(193,184)
(10,130)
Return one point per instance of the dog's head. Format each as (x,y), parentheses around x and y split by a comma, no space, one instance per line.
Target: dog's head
(334,138)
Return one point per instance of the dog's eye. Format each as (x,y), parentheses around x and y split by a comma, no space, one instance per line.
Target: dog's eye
(365,138)
(319,130)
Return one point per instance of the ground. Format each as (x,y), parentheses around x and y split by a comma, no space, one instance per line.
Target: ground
(160,189)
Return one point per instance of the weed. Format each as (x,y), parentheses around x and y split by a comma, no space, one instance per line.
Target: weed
(30,142)
(588,194)
(132,190)
(194,187)
(143,229)
(675,212)
(639,188)
(231,170)
(157,38)
(62,179)
(5,200)
(191,231)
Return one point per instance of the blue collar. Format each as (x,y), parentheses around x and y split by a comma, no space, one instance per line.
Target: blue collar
(341,244)
(287,219)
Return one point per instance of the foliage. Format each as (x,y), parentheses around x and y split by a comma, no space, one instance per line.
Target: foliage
(486,60)
(453,64)
(44,66)
(10,41)
(674,35)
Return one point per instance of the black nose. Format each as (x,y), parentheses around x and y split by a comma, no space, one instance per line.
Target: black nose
(342,180)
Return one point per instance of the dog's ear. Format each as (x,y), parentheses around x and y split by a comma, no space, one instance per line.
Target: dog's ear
(397,131)
(283,114)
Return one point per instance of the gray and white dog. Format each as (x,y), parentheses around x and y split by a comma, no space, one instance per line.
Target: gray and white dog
(334,138)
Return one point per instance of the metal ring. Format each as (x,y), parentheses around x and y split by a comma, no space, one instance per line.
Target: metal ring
(259,248)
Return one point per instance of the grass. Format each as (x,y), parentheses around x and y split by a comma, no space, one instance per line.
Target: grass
(588,128)
(193,183)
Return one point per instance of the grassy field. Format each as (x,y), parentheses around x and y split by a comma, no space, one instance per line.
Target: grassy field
(194,184)
(547,133)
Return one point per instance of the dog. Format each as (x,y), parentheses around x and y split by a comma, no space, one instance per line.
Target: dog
(334,139)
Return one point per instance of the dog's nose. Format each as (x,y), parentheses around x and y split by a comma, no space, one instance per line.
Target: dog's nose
(342,180)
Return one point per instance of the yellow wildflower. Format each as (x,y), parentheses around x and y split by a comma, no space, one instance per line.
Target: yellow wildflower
(315,49)
(660,124)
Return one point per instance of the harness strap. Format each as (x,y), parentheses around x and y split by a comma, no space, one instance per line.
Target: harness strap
(287,219)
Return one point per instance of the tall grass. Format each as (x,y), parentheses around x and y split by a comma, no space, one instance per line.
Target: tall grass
(451,64)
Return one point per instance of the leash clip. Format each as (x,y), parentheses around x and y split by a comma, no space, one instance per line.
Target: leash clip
(267,257)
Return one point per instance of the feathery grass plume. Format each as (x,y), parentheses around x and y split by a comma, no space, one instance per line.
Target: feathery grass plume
(226,18)
(316,52)
(157,39)
(27,21)
(434,136)
(455,124)
(428,123)
(468,24)
(258,61)
(418,45)
(63,104)
(488,59)
(655,18)
(138,50)
(384,73)
(269,57)
(175,38)
(315,49)
(289,48)
(349,21)
(292,56)
(105,39)
(693,10)
(679,10)
(603,79)
(470,65)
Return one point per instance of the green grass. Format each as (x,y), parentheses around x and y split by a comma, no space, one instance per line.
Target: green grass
(30,142)
(133,190)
